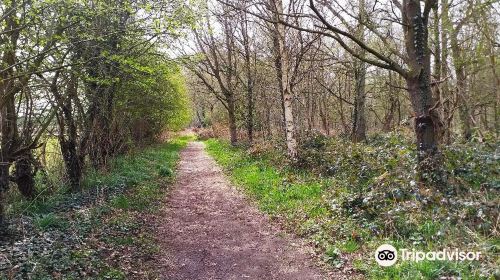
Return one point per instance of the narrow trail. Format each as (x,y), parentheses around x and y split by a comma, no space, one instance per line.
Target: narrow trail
(210,231)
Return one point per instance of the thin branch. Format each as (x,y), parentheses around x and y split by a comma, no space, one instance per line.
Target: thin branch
(333,93)
(391,64)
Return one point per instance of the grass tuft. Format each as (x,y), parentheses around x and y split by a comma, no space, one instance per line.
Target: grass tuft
(50,221)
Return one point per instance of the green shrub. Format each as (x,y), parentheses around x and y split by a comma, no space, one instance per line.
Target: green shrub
(165,171)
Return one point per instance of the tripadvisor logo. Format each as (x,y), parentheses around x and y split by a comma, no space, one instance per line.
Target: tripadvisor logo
(387,255)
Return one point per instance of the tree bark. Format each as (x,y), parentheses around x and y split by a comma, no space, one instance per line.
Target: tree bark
(4,186)
(461,90)
(9,139)
(72,152)
(462,98)
(232,119)
(323,112)
(249,76)
(73,157)
(426,128)
(496,87)
(393,104)
(8,121)
(418,82)
(436,71)
(72,162)
(359,121)
(444,87)
(24,176)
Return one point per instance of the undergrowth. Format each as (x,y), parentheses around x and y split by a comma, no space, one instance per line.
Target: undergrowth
(348,199)
(101,233)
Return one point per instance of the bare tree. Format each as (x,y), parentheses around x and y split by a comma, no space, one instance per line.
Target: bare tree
(415,70)
(249,75)
(218,66)
(359,120)
(281,61)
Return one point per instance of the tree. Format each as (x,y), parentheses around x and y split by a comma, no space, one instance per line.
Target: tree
(281,61)
(328,92)
(18,66)
(217,68)
(249,75)
(359,120)
(68,61)
(415,71)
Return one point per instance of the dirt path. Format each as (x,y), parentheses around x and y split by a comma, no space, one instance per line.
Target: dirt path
(211,232)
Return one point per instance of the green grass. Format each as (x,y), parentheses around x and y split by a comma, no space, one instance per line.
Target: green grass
(136,181)
(114,274)
(350,246)
(425,270)
(130,170)
(315,207)
(121,202)
(133,169)
(275,190)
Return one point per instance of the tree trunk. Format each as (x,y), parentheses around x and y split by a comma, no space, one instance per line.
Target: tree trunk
(393,103)
(418,80)
(444,87)
(248,72)
(359,120)
(232,119)
(496,87)
(9,137)
(324,116)
(282,70)
(8,143)
(72,162)
(8,120)
(426,127)
(437,95)
(250,109)
(389,117)
(289,126)
(24,176)
(309,110)
(68,133)
(101,148)
(462,98)
(460,72)
(268,121)
(4,186)
(341,110)
(461,90)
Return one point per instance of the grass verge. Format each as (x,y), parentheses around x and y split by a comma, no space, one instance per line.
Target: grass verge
(321,209)
(102,233)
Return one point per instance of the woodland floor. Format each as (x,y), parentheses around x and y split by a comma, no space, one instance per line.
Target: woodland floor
(208,230)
